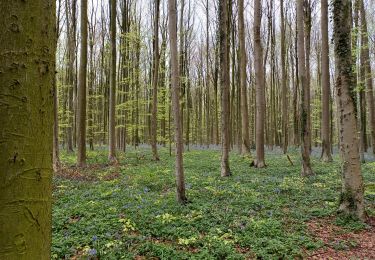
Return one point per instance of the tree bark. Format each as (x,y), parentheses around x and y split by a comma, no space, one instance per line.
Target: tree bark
(368,75)
(112,89)
(155,80)
(27,74)
(284,89)
(260,89)
(326,142)
(81,106)
(224,82)
(305,147)
(243,83)
(352,201)
(180,179)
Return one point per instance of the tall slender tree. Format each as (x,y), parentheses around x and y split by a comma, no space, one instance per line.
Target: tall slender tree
(352,201)
(27,65)
(112,89)
(260,89)
(325,82)
(284,89)
(82,85)
(305,147)
(155,80)
(224,82)
(368,74)
(243,81)
(180,179)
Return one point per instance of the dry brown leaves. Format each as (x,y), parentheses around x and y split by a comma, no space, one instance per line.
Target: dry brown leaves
(341,244)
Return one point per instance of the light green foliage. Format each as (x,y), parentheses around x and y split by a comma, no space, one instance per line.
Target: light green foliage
(255,213)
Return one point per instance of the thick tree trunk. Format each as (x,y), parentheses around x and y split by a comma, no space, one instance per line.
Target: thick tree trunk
(260,89)
(224,83)
(180,179)
(112,89)
(81,111)
(352,201)
(27,65)
(155,80)
(325,81)
(305,147)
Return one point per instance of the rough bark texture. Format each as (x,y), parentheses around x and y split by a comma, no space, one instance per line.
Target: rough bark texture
(260,90)
(81,104)
(305,147)
(326,142)
(242,61)
(352,201)
(224,83)
(155,79)
(180,179)
(368,75)
(112,88)
(27,72)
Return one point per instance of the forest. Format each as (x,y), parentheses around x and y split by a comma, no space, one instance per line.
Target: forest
(187,129)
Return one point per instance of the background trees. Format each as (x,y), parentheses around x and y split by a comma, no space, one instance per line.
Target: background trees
(260,68)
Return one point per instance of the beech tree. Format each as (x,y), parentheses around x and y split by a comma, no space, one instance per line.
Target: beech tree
(260,88)
(180,179)
(243,81)
(27,65)
(305,147)
(224,83)
(112,90)
(82,84)
(351,201)
(325,81)
(155,81)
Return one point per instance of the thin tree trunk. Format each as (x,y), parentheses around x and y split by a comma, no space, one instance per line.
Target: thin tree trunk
(283,81)
(180,179)
(81,111)
(243,82)
(368,75)
(260,89)
(155,80)
(305,147)
(112,89)
(224,82)
(326,142)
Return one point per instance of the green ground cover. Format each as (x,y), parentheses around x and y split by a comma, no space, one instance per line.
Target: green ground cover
(129,211)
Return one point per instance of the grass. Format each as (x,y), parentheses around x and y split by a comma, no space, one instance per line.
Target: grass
(129,211)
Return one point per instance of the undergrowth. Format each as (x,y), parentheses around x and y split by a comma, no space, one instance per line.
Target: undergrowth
(129,210)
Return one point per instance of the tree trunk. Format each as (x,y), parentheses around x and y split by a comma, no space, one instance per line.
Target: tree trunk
(368,75)
(352,201)
(243,83)
(180,179)
(27,65)
(112,89)
(260,89)
(155,80)
(284,89)
(305,147)
(224,83)
(81,106)
(326,142)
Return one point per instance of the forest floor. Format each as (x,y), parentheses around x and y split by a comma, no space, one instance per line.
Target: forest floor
(128,211)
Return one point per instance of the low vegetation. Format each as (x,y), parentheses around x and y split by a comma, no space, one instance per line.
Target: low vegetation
(129,211)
